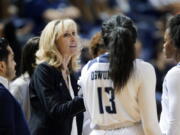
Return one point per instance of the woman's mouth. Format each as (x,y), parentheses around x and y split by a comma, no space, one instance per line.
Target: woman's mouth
(73,45)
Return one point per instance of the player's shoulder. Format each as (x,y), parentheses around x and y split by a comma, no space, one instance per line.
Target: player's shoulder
(22,80)
(174,71)
(102,59)
(143,66)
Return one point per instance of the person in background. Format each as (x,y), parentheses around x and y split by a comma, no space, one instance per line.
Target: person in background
(91,49)
(12,121)
(170,118)
(97,46)
(9,32)
(117,95)
(45,11)
(56,108)
(20,87)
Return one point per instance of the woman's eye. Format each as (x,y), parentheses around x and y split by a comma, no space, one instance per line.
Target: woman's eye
(73,33)
(66,35)
(69,34)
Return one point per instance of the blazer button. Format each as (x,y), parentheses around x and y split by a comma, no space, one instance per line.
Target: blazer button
(60,84)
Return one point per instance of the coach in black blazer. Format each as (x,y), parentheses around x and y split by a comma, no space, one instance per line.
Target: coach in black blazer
(53,108)
(56,108)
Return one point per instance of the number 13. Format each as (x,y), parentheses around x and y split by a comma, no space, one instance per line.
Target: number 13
(112,107)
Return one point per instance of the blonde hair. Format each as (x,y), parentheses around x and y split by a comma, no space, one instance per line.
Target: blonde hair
(48,51)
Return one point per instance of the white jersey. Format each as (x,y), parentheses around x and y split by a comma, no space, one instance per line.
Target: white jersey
(133,105)
(170,115)
(19,88)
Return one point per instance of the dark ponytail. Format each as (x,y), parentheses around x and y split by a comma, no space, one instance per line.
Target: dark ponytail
(119,35)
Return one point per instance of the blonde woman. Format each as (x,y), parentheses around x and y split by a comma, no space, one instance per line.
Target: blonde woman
(56,108)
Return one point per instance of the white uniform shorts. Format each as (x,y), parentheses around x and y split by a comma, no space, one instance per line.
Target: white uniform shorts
(132,130)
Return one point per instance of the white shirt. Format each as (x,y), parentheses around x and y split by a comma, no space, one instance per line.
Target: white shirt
(19,88)
(4,81)
(74,123)
(135,103)
(170,115)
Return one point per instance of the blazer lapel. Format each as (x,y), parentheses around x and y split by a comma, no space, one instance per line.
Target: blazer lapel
(64,87)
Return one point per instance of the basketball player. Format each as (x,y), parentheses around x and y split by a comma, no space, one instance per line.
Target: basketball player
(119,90)
(170,115)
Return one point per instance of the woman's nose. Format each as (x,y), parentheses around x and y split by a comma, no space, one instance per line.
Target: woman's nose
(73,38)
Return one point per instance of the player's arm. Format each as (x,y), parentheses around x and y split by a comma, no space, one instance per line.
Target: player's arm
(174,100)
(81,79)
(147,102)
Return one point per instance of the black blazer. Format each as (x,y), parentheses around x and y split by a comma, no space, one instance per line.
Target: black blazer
(12,121)
(52,107)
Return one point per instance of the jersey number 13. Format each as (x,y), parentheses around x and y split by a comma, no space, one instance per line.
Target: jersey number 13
(111,108)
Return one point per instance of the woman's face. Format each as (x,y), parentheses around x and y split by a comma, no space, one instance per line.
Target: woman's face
(67,43)
(168,47)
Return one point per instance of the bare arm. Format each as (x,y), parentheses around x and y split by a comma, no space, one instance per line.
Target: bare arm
(147,102)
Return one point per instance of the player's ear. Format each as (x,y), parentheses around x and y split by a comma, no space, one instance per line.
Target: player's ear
(2,67)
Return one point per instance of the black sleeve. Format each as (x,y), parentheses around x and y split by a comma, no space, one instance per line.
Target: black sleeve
(53,99)
(6,114)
